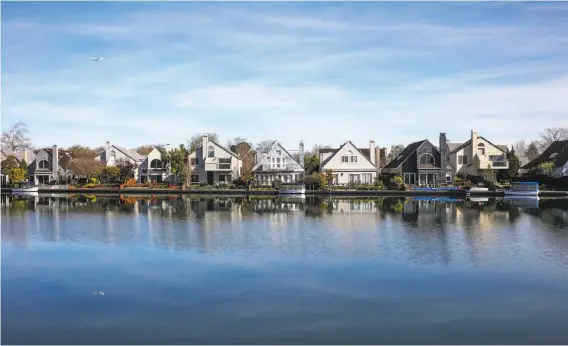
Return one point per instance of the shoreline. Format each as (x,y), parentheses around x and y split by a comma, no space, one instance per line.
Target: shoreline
(318,193)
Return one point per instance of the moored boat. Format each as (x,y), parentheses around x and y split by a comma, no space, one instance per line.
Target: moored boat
(522,188)
(24,188)
(292,188)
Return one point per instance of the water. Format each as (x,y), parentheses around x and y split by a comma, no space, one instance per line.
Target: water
(263,271)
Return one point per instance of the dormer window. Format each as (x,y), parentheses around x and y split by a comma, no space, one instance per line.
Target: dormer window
(113,155)
(481,149)
(210,151)
(553,155)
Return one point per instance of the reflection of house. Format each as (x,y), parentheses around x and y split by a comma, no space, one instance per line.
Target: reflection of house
(153,167)
(279,164)
(557,152)
(476,155)
(113,155)
(349,164)
(421,163)
(25,155)
(49,165)
(212,163)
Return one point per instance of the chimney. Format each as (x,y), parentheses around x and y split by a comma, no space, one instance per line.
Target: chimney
(26,156)
(372,153)
(301,153)
(204,141)
(107,151)
(378,159)
(443,148)
(54,158)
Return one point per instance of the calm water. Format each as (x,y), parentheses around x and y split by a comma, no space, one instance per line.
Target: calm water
(236,270)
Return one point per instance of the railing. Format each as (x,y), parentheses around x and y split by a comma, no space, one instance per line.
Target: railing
(277,167)
(499,163)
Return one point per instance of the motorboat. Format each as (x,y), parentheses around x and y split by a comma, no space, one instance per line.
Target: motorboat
(522,188)
(25,188)
(292,188)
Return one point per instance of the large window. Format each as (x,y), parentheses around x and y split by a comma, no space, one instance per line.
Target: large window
(210,151)
(481,149)
(195,178)
(225,163)
(43,164)
(427,159)
(462,160)
(410,178)
(156,164)
(367,178)
(494,158)
(354,178)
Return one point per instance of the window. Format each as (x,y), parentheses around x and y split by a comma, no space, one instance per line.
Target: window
(112,155)
(156,164)
(193,162)
(367,178)
(462,160)
(481,149)
(353,158)
(278,162)
(494,158)
(427,159)
(278,152)
(354,178)
(224,163)
(286,178)
(344,159)
(43,164)
(156,178)
(410,178)
(210,151)
(195,178)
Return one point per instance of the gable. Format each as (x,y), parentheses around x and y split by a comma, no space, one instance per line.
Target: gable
(267,158)
(404,155)
(483,140)
(560,148)
(348,149)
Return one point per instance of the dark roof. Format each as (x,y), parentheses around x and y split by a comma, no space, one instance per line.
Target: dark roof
(558,147)
(64,157)
(405,154)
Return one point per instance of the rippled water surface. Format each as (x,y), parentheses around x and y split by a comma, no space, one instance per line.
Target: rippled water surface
(310,271)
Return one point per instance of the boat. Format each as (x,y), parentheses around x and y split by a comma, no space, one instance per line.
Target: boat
(24,188)
(522,188)
(292,188)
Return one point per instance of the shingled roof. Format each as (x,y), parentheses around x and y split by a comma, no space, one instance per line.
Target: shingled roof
(560,148)
(405,154)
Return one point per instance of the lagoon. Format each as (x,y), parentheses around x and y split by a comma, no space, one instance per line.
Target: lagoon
(199,270)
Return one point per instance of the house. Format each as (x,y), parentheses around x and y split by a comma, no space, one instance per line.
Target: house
(349,164)
(556,152)
(212,163)
(24,155)
(477,154)
(422,163)
(49,166)
(279,164)
(154,168)
(113,155)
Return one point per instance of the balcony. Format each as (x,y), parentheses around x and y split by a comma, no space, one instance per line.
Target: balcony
(277,167)
(501,164)
(217,164)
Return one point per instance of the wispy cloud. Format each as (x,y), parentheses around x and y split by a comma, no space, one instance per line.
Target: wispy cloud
(317,72)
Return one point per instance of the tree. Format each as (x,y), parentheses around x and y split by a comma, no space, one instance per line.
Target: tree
(550,135)
(264,146)
(84,166)
(23,164)
(329,176)
(394,152)
(126,169)
(79,151)
(145,149)
(311,163)
(177,159)
(532,151)
(195,141)
(110,174)
(247,155)
(17,175)
(232,144)
(520,147)
(489,175)
(546,168)
(514,165)
(314,181)
(9,163)
(16,137)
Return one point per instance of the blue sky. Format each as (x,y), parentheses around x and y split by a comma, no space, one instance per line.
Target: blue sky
(319,72)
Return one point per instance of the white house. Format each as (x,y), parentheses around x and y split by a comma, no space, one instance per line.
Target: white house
(114,154)
(279,164)
(212,163)
(154,168)
(348,164)
(477,154)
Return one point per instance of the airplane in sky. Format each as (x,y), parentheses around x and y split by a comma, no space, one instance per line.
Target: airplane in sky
(97,59)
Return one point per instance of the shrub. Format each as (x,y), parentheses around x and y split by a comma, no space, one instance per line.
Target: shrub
(203,184)
(90,185)
(148,184)
(223,186)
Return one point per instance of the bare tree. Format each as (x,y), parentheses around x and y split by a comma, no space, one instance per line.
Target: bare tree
(145,149)
(232,144)
(195,141)
(520,148)
(84,166)
(16,137)
(394,152)
(550,135)
(264,146)
(532,151)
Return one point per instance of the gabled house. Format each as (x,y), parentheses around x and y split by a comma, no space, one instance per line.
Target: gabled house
(349,164)
(556,152)
(477,154)
(279,164)
(212,163)
(24,155)
(114,154)
(154,168)
(49,166)
(422,163)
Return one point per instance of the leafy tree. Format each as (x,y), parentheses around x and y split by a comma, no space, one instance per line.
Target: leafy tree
(177,159)
(550,135)
(17,175)
(24,164)
(329,176)
(489,175)
(245,151)
(84,166)
(311,163)
(79,151)
(315,181)
(9,163)
(16,137)
(546,168)
(514,165)
(110,175)
(195,141)
(126,169)
(532,151)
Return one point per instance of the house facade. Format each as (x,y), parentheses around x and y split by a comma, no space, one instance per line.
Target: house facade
(212,163)
(557,152)
(154,168)
(26,155)
(349,164)
(476,155)
(422,163)
(279,164)
(48,166)
(114,154)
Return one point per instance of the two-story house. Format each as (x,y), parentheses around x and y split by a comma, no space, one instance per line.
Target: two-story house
(476,155)
(154,167)
(349,164)
(113,155)
(48,166)
(279,164)
(422,163)
(212,163)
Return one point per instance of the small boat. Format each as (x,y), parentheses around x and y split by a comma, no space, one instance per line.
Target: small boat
(522,188)
(292,188)
(24,188)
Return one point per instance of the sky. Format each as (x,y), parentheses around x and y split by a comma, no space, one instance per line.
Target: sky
(320,72)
